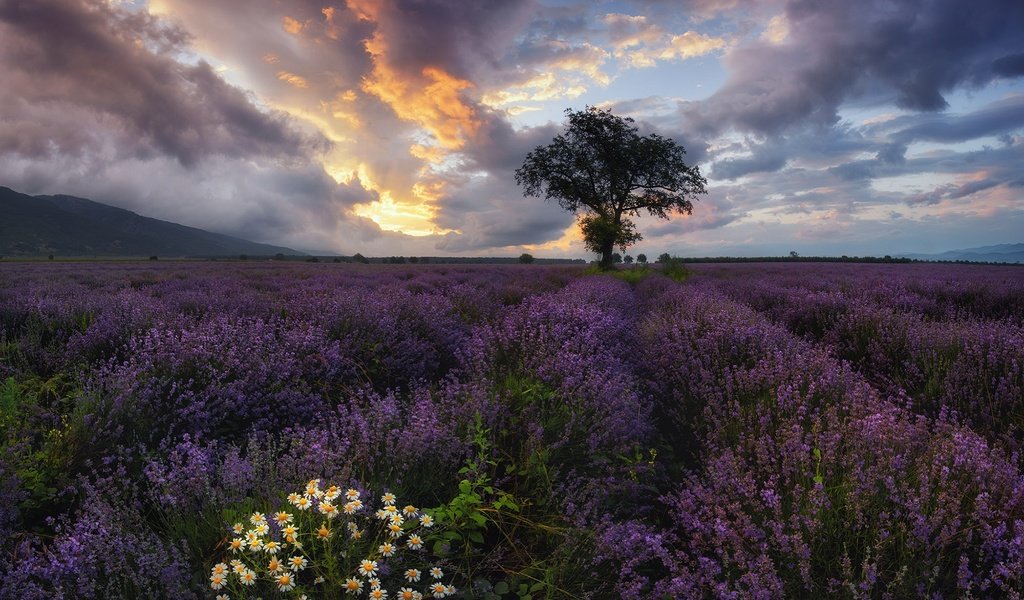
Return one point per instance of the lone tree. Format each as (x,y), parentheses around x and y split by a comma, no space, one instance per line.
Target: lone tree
(603,171)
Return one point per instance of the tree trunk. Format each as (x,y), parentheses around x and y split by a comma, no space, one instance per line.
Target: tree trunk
(606,256)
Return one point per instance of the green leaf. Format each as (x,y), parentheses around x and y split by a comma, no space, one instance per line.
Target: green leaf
(476,537)
(480,519)
(501,588)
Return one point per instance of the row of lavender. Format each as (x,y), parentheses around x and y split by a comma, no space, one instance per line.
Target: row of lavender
(808,480)
(948,339)
(662,440)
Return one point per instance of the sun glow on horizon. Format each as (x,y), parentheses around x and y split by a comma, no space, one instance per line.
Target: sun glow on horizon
(413,219)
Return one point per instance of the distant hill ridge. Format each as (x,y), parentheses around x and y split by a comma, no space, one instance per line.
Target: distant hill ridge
(1008,253)
(70,226)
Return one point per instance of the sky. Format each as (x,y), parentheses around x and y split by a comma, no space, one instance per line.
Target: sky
(394,127)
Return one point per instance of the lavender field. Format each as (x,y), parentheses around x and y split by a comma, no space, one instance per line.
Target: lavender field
(174,430)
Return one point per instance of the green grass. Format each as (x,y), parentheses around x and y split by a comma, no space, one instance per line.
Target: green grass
(674,269)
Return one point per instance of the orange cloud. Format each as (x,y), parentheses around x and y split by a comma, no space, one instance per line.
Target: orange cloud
(342,107)
(429,191)
(291,25)
(293,79)
(332,29)
(565,76)
(571,240)
(690,45)
(432,99)
(366,10)
(430,154)
(427,96)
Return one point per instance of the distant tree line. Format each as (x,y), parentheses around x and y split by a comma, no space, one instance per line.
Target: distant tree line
(440,260)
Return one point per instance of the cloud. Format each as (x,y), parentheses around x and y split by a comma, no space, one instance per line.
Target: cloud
(487,230)
(490,211)
(500,149)
(993,119)
(889,141)
(777,30)
(910,53)
(85,55)
(734,168)
(293,79)
(710,216)
(641,43)
(1011,65)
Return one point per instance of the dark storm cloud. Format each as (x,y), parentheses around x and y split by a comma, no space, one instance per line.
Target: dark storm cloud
(502,228)
(858,170)
(994,119)
(87,55)
(734,168)
(500,149)
(1011,65)
(491,212)
(462,37)
(892,153)
(911,53)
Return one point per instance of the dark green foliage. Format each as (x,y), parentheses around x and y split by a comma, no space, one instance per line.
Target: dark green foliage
(675,269)
(602,169)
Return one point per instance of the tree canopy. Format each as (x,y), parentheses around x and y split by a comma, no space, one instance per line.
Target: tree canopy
(601,169)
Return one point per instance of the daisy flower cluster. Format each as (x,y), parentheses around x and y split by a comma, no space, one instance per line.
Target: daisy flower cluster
(329,541)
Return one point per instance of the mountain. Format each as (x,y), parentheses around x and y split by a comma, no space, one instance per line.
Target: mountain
(70,226)
(1006,253)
